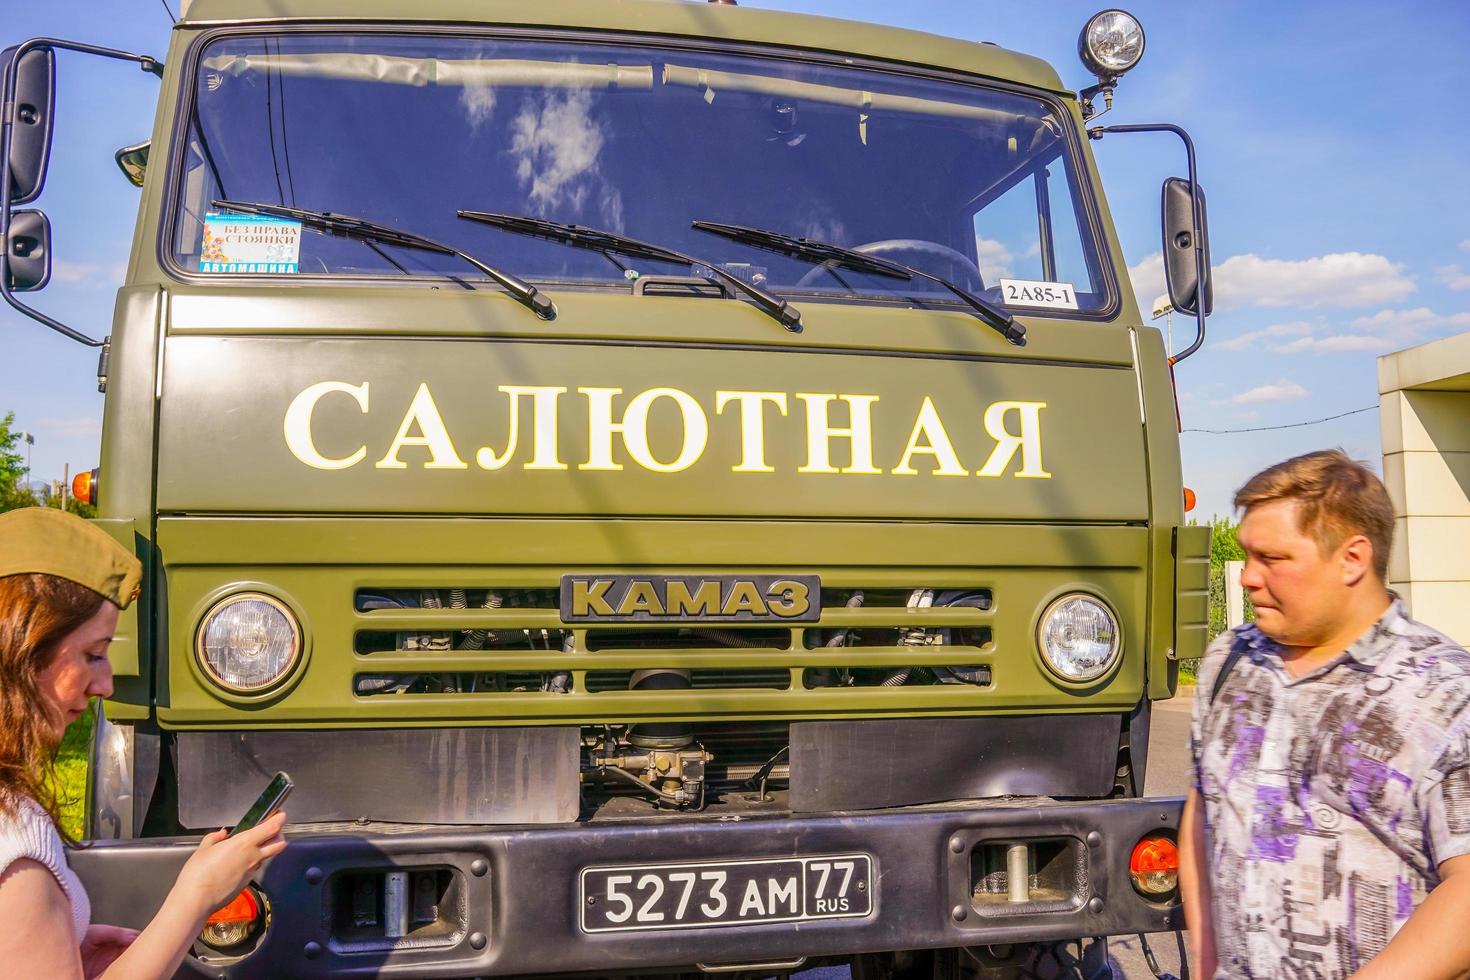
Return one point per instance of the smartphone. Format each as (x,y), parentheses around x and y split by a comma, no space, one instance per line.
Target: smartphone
(268,802)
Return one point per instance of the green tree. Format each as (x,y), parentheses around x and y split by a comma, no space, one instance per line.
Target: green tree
(49,497)
(13,492)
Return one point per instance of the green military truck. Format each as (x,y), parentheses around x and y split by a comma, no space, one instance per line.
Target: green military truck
(680,487)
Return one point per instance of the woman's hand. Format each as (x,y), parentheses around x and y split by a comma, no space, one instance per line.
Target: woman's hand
(213,875)
(103,944)
(222,865)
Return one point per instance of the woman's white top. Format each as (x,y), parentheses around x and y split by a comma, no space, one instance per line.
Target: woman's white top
(29,833)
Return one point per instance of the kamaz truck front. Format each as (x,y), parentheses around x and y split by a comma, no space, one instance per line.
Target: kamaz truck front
(680,487)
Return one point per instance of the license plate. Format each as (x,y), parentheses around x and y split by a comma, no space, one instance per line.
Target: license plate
(726,893)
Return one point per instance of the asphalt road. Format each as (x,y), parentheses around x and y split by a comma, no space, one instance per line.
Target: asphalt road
(1168,775)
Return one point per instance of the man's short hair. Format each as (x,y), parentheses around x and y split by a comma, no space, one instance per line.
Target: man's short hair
(1336,497)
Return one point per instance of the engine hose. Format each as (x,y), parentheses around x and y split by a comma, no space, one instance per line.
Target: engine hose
(561,681)
(914,637)
(730,638)
(428,599)
(476,639)
(840,637)
(642,784)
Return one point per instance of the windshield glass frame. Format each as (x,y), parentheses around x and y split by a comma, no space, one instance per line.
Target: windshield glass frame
(1079,168)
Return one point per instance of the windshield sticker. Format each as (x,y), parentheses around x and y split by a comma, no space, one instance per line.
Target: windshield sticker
(249,243)
(1028,292)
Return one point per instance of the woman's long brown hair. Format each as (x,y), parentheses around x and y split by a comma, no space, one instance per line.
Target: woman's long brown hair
(36,613)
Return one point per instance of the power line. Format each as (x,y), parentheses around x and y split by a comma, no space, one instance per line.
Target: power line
(1289,425)
(171,18)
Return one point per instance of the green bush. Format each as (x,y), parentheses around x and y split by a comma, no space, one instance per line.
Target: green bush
(71,773)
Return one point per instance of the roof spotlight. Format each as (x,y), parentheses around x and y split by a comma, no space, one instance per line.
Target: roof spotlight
(1109,46)
(1111,43)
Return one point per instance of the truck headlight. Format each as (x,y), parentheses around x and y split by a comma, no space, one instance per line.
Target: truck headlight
(248,642)
(1111,43)
(1079,638)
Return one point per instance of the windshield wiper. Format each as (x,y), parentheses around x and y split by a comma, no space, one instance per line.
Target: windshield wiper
(836,255)
(598,240)
(363,230)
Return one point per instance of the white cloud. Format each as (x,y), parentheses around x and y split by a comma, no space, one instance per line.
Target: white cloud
(1343,279)
(478,103)
(1333,343)
(556,144)
(77,427)
(1253,339)
(993,258)
(1453,276)
(64,271)
(1465,245)
(1282,391)
(823,229)
(1382,331)
(1148,280)
(1408,322)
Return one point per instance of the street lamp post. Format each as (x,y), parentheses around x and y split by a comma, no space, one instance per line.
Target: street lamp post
(1164,308)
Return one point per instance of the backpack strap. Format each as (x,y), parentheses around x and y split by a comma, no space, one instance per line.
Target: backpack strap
(1231,659)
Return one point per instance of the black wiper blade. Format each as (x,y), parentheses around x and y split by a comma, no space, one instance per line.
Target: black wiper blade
(775,241)
(598,240)
(807,248)
(361,229)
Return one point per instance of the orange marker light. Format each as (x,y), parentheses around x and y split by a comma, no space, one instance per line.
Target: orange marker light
(1188,500)
(234,923)
(1154,865)
(242,908)
(84,486)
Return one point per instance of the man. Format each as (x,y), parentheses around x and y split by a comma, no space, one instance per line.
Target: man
(1328,830)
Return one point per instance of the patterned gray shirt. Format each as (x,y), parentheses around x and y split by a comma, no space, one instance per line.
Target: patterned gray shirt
(1331,799)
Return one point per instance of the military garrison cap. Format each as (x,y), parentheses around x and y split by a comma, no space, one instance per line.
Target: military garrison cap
(53,542)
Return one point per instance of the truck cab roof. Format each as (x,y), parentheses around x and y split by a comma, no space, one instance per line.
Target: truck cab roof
(673,18)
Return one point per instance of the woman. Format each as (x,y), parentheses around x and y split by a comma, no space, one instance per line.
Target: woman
(62,583)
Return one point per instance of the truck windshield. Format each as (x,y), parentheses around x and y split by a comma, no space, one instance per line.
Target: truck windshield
(970,183)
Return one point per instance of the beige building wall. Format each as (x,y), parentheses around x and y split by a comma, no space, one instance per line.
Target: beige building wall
(1424,408)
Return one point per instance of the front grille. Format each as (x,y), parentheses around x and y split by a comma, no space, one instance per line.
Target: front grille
(619,680)
(511,641)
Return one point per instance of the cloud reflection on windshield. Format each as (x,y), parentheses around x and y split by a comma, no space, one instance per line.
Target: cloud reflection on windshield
(556,145)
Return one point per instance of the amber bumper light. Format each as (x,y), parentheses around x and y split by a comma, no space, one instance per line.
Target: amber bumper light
(1154,866)
(235,923)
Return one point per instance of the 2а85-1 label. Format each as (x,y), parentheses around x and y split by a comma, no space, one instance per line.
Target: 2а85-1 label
(1028,292)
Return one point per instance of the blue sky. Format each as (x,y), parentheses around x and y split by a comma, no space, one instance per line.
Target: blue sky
(1329,144)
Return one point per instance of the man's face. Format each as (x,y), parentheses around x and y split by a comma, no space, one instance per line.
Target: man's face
(1300,594)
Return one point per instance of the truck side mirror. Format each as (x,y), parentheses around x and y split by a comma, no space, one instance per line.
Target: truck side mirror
(28,250)
(30,119)
(133,161)
(1180,248)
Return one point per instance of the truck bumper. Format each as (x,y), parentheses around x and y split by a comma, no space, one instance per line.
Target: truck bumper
(509,902)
